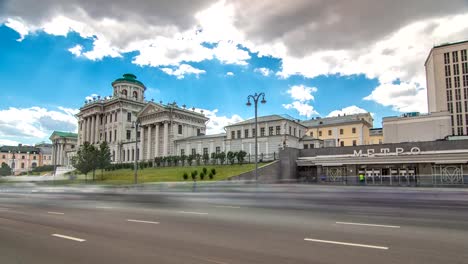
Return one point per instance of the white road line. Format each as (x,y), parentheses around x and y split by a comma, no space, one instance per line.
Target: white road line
(104,207)
(227,206)
(56,213)
(198,213)
(4,209)
(363,224)
(69,237)
(142,221)
(345,243)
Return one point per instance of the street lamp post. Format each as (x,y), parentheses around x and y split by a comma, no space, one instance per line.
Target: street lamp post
(136,125)
(255,98)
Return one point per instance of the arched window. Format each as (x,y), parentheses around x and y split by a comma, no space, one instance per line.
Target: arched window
(135,94)
(124,92)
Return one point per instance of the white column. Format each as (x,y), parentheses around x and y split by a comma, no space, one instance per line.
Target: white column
(93,129)
(148,153)
(88,132)
(165,135)
(96,129)
(85,129)
(59,158)
(156,141)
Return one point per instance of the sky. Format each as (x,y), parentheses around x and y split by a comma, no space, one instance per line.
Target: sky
(310,57)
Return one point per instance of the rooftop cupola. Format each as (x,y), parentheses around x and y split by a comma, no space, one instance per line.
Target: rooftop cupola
(129,87)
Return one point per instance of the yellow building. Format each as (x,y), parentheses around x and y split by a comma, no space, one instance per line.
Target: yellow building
(346,130)
(376,136)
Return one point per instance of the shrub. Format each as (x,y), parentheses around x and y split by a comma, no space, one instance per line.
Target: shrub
(204,170)
(202,176)
(213,171)
(185,176)
(211,176)
(194,175)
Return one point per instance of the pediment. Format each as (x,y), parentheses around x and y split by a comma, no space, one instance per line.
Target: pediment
(151,108)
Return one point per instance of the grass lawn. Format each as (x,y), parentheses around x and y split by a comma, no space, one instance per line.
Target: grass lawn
(169,174)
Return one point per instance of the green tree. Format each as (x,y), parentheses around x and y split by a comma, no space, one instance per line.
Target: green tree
(222,157)
(183,158)
(241,157)
(206,158)
(190,160)
(5,170)
(231,156)
(198,158)
(214,158)
(104,158)
(85,159)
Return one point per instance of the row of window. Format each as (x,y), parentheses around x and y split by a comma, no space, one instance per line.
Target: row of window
(14,157)
(205,151)
(455,56)
(104,119)
(330,132)
(125,93)
(13,165)
(456,81)
(271,131)
(456,69)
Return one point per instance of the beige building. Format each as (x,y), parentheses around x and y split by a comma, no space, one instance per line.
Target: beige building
(376,136)
(346,130)
(21,159)
(46,153)
(414,127)
(447,83)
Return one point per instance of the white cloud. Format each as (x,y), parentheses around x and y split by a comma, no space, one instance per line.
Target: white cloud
(183,70)
(230,74)
(217,123)
(304,109)
(264,71)
(228,53)
(35,123)
(7,142)
(350,110)
(76,50)
(311,38)
(91,97)
(19,26)
(302,93)
(403,97)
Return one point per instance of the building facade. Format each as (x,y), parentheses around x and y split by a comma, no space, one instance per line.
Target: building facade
(46,153)
(274,133)
(341,131)
(133,127)
(21,159)
(447,83)
(64,146)
(416,127)
(414,163)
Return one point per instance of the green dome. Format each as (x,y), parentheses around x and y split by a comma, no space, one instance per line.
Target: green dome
(129,77)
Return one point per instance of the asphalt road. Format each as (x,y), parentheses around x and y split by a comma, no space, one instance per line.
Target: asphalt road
(271,224)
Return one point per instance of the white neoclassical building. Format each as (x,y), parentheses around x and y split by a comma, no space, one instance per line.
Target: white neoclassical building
(63,147)
(114,119)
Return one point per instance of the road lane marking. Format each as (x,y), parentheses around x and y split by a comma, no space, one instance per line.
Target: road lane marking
(69,237)
(363,224)
(198,213)
(4,209)
(104,207)
(345,243)
(212,261)
(142,221)
(56,213)
(227,206)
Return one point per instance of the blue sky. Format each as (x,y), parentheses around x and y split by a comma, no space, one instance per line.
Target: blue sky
(50,64)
